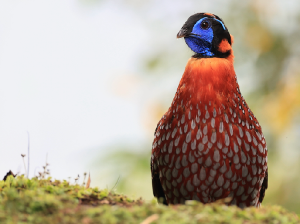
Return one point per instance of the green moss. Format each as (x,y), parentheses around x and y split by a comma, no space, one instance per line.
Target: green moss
(46,201)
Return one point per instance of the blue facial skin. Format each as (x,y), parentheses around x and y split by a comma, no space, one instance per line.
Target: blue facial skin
(202,44)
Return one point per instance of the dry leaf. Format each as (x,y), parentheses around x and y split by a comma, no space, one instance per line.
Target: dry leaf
(150,219)
(88,182)
(9,174)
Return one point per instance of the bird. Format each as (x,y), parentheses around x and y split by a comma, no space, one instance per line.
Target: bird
(209,145)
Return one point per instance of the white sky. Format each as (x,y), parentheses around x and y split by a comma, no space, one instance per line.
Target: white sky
(57,62)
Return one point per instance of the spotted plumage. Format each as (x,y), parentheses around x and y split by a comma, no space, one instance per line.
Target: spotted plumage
(209,145)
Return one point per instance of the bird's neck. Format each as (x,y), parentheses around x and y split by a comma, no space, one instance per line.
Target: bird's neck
(199,46)
(208,80)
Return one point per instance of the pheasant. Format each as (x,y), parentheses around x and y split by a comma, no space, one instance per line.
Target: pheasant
(209,145)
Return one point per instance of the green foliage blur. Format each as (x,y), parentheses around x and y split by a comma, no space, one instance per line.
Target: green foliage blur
(267,63)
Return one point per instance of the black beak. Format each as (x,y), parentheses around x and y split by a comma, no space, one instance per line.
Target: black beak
(182,33)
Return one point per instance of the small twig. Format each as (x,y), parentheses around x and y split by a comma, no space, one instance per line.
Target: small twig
(115,184)
(77,179)
(28,136)
(84,176)
(45,172)
(23,155)
(35,171)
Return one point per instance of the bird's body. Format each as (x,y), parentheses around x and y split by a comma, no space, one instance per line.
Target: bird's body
(209,145)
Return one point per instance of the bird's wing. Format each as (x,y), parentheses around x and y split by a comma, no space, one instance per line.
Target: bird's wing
(263,187)
(158,191)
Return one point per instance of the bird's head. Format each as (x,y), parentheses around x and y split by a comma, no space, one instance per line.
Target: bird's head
(206,35)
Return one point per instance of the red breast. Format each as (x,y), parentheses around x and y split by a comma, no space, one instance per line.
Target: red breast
(209,145)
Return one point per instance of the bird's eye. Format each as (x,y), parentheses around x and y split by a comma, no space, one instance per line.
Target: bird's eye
(204,25)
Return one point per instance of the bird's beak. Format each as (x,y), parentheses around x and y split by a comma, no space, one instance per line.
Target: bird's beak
(182,33)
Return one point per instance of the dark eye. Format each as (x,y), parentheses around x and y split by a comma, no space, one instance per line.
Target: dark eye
(204,25)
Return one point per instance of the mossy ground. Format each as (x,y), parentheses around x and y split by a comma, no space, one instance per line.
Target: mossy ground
(46,201)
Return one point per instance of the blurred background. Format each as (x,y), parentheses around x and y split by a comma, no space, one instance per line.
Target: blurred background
(90,79)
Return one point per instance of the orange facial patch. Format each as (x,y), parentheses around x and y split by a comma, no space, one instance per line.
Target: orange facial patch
(232,39)
(224,46)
